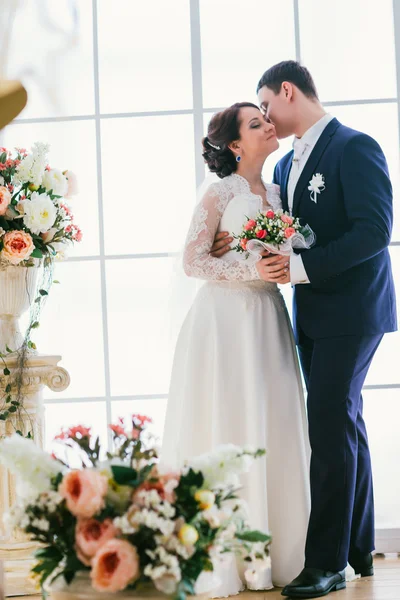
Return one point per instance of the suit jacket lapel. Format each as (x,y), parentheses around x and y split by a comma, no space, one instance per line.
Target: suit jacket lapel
(312,162)
(284,183)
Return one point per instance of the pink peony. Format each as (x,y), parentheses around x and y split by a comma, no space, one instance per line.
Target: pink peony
(90,535)
(286,219)
(18,246)
(243,243)
(5,199)
(114,566)
(163,483)
(270,214)
(261,234)
(84,492)
(289,232)
(250,225)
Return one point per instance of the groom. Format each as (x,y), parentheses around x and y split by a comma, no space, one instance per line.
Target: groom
(336,179)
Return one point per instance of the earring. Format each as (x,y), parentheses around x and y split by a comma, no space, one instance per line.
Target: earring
(238,158)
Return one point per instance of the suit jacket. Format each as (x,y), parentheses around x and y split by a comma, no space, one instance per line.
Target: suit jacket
(351,289)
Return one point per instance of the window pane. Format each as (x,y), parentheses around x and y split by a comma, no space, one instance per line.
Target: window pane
(382,415)
(155,408)
(52,52)
(239,42)
(71,325)
(159,194)
(384,367)
(381,122)
(145,65)
(64,415)
(138,297)
(349,48)
(72,146)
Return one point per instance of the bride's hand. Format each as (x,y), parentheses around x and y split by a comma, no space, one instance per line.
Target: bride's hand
(221,244)
(274,268)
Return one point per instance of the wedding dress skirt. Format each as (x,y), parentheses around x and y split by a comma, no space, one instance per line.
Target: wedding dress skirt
(236,379)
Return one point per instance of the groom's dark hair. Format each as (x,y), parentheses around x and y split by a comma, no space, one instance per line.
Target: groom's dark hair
(291,71)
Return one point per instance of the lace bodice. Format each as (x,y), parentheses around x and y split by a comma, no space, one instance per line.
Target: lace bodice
(224,207)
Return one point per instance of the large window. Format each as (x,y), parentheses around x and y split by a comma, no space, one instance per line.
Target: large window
(122,91)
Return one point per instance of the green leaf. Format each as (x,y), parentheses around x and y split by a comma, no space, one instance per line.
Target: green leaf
(124,475)
(55,281)
(35,325)
(37,253)
(8,399)
(12,409)
(253,536)
(43,293)
(8,349)
(8,388)
(6,371)
(3,416)
(49,552)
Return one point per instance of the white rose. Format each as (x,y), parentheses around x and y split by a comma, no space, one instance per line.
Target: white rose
(40,213)
(56,181)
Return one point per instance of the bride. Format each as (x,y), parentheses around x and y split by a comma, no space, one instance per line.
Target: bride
(235,377)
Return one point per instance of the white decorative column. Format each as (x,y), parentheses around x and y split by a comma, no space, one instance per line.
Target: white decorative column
(41,371)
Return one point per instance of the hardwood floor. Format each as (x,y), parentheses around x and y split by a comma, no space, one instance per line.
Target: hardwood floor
(385,585)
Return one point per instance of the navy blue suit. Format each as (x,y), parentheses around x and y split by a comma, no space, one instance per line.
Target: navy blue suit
(339,320)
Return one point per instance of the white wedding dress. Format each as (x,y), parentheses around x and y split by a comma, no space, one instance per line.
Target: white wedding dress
(236,379)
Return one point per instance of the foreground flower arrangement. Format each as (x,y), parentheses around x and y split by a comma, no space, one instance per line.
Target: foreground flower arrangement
(127,521)
(35,219)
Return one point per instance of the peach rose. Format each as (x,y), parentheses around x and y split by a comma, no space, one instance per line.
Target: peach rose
(5,199)
(289,232)
(114,566)
(286,219)
(163,483)
(249,225)
(90,535)
(261,234)
(18,246)
(243,243)
(84,492)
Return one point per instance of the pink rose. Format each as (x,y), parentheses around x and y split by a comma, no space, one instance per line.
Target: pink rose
(84,492)
(5,199)
(261,234)
(18,246)
(270,214)
(250,225)
(289,232)
(90,535)
(114,566)
(243,243)
(72,184)
(286,219)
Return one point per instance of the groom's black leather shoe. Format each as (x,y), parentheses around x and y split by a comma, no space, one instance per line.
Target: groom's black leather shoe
(313,583)
(362,564)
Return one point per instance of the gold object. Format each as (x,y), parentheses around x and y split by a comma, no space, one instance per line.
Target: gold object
(13,98)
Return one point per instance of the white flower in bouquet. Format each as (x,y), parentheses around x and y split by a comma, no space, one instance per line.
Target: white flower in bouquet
(33,466)
(31,169)
(57,182)
(40,213)
(166,572)
(222,467)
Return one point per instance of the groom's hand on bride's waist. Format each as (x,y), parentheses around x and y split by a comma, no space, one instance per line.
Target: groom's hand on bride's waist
(221,244)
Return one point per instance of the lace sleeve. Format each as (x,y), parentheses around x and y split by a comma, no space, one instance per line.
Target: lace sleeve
(197,261)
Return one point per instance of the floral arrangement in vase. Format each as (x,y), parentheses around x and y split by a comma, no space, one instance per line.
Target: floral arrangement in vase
(35,220)
(126,521)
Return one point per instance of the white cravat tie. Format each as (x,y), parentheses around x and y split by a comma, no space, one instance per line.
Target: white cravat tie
(299,148)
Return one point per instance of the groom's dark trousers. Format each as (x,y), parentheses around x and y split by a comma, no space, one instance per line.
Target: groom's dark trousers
(342,516)
(339,319)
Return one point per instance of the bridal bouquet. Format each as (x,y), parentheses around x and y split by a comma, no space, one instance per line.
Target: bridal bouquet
(275,231)
(124,519)
(35,219)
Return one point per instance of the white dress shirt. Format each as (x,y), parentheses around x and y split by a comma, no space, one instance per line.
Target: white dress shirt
(302,148)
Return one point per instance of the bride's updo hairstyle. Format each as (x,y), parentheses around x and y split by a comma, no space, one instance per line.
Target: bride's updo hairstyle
(223,129)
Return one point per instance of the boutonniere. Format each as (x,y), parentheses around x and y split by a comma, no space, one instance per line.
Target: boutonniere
(317,185)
